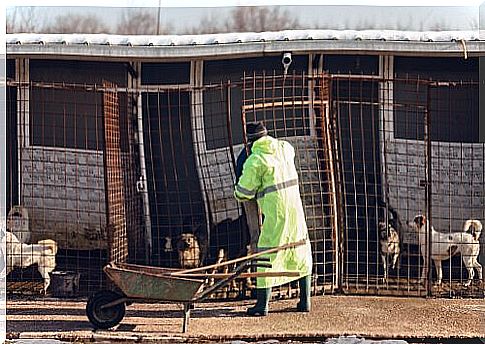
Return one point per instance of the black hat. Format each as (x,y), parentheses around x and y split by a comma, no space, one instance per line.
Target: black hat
(255,131)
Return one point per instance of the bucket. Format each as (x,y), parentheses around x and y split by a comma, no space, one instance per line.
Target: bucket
(64,283)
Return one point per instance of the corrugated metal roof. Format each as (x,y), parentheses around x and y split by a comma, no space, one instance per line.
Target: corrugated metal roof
(246,37)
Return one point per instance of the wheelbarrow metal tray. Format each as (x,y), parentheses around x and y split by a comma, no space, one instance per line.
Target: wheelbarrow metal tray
(153,283)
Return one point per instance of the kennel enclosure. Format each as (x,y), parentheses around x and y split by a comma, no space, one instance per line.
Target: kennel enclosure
(116,154)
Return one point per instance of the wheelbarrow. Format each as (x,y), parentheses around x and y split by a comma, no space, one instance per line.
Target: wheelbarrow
(106,308)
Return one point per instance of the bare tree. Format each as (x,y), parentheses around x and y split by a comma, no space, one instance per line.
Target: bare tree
(76,23)
(22,19)
(140,21)
(259,19)
(208,24)
(438,25)
(250,19)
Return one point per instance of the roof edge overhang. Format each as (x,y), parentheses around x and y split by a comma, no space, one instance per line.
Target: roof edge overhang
(449,45)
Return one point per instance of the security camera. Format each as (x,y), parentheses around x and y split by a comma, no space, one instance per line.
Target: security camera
(286,60)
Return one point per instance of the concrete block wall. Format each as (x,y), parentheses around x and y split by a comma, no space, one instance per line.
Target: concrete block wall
(458,182)
(310,168)
(64,192)
(218,173)
(217,170)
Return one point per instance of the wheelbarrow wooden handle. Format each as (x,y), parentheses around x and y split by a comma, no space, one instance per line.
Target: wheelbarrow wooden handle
(241,259)
(246,274)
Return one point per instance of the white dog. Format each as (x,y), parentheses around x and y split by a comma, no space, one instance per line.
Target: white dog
(445,245)
(23,255)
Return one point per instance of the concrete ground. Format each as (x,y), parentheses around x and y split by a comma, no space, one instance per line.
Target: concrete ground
(331,316)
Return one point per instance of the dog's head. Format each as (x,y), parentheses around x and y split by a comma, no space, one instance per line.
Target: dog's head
(387,232)
(187,241)
(418,222)
(474,227)
(188,250)
(383,230)
(18,218)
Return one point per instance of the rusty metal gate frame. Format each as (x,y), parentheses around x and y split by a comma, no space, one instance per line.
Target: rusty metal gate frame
(330,148)
(425,148)
(431,155)
(115,202)
(323,128)
(346,284)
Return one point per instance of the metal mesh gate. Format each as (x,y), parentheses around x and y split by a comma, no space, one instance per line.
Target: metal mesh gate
(296,108)
(402,155)
(176,201)
(125,229)
(191,162)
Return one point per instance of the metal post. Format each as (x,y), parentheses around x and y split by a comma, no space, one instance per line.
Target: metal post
(23,118)
(142,183)
(187,307)
(328,128)
(385,116)
(229,124)
(427,133)
(198,132)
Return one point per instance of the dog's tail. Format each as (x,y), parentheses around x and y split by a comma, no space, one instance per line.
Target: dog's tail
(475,227)
(49,244)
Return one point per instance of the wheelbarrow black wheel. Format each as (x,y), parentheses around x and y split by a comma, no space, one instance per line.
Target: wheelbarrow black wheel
(101,317)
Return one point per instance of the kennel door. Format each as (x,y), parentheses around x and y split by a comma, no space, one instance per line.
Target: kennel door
(295,107)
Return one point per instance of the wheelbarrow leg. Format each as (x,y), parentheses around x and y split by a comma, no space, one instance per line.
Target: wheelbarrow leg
(187,308)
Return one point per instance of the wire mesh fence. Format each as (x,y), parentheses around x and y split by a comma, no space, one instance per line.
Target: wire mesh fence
(406,151)
(371,154)
(61,180)
(433,142)
(73,184)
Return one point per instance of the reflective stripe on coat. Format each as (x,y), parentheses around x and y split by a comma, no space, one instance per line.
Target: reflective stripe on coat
(269,175)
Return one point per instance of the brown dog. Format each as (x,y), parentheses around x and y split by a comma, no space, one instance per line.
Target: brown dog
(189,252)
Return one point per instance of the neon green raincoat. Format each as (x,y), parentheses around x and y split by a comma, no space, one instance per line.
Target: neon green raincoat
(270,176)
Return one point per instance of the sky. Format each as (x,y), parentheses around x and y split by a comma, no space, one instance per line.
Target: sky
(216,3)
(180,18)
(183,20)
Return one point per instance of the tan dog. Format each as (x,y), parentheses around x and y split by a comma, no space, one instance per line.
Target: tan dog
(390,246)
(189,252)
(390,230)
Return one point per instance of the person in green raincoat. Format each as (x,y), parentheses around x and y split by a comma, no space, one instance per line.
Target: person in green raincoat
(269,175)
